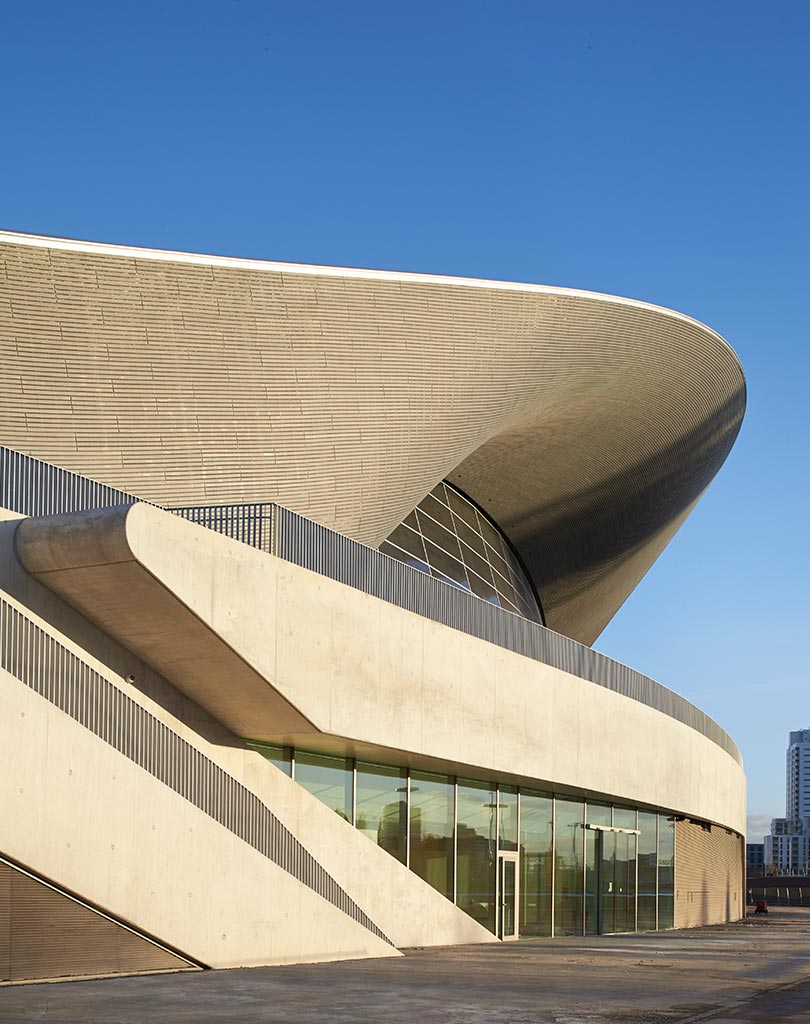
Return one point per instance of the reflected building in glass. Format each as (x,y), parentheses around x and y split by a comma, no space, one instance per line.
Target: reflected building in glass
(304,567)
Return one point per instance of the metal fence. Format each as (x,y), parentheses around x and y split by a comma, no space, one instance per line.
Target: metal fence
(781,896)
(32,487)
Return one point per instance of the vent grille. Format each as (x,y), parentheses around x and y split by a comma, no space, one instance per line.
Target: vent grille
(44,933)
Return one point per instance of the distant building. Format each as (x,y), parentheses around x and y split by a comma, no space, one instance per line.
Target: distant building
(787,848)
(797,775)
(754,859)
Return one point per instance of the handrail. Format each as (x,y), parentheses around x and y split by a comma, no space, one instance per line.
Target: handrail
(32,487)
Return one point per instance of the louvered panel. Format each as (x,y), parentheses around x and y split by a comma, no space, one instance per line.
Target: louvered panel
(708,875)
(53,935)
(585,425)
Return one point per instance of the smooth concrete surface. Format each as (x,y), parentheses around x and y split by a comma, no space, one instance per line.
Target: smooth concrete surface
(380,884)
(746,973)
(87,818)
(586,425)
(357,668)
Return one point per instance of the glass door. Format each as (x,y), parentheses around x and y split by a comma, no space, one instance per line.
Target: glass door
(616,862)
(508,893)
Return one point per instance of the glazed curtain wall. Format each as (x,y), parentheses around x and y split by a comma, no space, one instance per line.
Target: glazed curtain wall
(584,867)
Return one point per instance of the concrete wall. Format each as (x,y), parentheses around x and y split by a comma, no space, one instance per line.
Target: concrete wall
(373,675)
(80,813)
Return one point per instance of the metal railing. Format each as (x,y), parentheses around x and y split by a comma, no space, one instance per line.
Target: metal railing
(45,665)
(277,530)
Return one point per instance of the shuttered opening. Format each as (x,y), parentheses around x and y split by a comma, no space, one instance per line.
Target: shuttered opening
(44,933)
(708,875)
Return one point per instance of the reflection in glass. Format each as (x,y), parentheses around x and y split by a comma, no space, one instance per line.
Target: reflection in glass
(475,872)
(327,778)
(432,814)
(535,864)
(508,898)
(666,872)
(280,756)
(507,818)
(382,807)
(596,814)
(569,859)
(625,880)
(647,870)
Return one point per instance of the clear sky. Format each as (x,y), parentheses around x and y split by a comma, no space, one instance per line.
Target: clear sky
(654,150)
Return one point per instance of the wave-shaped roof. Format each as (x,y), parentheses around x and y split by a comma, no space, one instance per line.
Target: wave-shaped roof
(586,425)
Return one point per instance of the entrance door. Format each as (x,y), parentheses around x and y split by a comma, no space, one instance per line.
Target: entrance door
(508,883)
(616,859)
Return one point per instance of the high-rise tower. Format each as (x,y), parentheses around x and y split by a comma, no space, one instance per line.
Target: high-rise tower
(797,775)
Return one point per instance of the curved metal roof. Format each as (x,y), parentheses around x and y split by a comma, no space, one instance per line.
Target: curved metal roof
(586,425)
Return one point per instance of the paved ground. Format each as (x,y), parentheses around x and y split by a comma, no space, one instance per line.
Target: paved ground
(747,973)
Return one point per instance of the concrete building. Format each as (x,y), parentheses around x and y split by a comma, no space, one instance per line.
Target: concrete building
(787,848)
(755,860)
(300,572)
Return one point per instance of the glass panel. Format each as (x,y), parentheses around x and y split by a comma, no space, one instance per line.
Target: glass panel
(475,562)
(490,534)
(441,562)
(470,537)
(438,510)
(327,778)
(508,898)
(462,508)
(432,814)
(646,913)
(625,817)
(569,859)
(481,588)
(647,870)
(281,757)
(472,564)
(409,541)
(475,839)
(596,814)
(607,882)
(442,538)
(402,556)
(382,807)
(508,818)
(666,872)
(535,864)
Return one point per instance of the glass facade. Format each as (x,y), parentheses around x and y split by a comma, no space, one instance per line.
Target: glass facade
(476,850)
(449,537)
(647,870)
(381,811)
(569,879)
(596,814)
(583,867)
(536,868)
(432,819)
(666,871)
(327,778)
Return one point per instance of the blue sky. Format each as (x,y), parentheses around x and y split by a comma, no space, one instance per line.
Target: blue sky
(653,150)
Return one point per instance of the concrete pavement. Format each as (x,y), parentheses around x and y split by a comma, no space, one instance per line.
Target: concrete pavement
(754,971)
